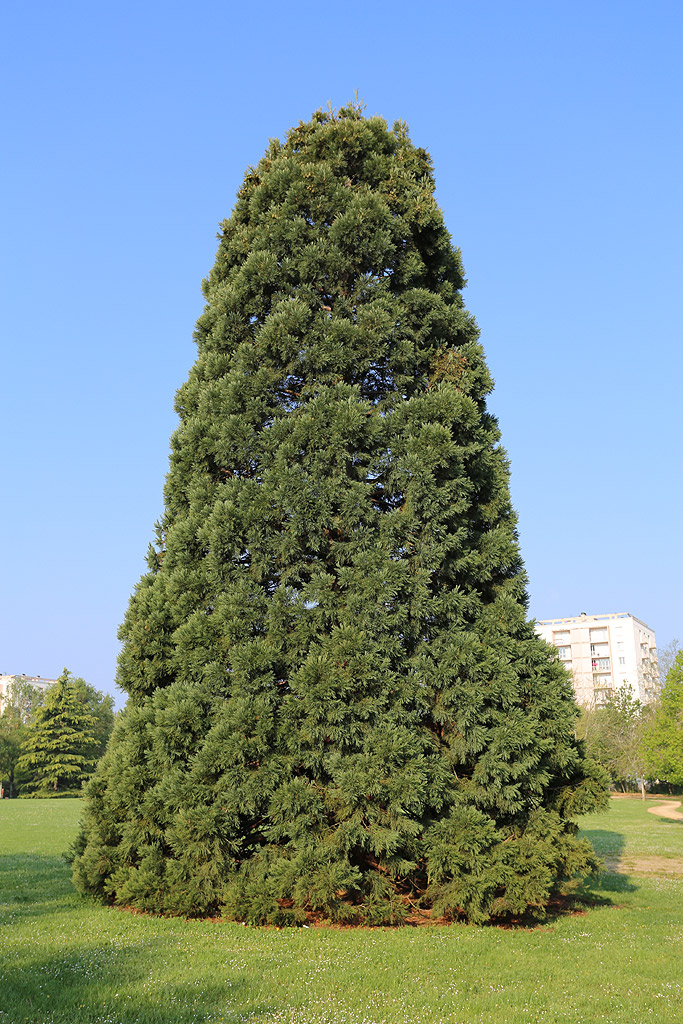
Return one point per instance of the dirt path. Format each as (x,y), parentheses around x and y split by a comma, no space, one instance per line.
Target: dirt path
(666,810)
(650,865)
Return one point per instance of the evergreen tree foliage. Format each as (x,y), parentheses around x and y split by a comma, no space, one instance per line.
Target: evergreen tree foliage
(663,741)
(337,707)
(101,707)
(59,744)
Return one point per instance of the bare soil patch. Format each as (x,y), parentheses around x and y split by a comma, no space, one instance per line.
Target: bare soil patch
(672,866)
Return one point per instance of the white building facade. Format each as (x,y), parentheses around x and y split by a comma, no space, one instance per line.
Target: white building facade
(6,683)
(605,652)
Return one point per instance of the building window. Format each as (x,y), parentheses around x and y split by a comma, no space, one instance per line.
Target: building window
(622,661)
(564,652)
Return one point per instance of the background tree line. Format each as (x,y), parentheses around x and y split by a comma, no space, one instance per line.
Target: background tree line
(636,743)
(51,740)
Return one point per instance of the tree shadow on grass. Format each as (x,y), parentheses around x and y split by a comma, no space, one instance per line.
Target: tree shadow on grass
(32,885)
(134,983)
(676,822)
(608,845)
(39,869)
(138,980)
(613,882)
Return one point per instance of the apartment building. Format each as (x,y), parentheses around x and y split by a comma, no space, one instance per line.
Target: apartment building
(6,683)
(605,652)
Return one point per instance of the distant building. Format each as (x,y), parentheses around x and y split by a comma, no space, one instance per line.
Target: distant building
(7,681)
(605,652)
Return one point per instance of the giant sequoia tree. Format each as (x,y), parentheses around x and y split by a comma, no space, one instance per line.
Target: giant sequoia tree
(336,704)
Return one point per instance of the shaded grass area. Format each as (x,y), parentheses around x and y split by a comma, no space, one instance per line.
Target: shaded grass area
(66,959)
(638,833)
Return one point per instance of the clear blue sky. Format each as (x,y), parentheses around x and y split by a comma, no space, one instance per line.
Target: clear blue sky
(555,131)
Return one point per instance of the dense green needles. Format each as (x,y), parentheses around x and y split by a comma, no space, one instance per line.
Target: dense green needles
(62,741)
(337,707)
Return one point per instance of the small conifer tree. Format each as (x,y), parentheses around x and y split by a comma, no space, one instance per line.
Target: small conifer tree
(337,706)
(58,745)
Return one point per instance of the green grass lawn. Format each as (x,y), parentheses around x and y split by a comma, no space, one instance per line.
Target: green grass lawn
(66,960)
(626,831)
